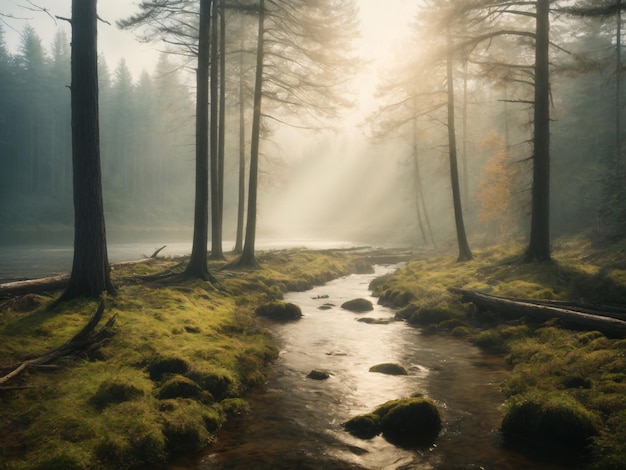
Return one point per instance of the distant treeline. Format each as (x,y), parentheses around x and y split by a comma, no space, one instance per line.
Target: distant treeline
(146,137)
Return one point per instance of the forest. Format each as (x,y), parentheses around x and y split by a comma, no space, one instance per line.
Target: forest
(489,163)
(147,128)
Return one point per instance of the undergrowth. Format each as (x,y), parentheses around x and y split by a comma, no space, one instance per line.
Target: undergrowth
(566,388)
(183,356)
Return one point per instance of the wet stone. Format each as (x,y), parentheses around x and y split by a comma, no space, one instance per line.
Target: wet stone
(318,375)
(389,369)
(358,305)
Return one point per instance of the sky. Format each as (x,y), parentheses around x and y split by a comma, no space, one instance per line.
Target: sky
(383,25)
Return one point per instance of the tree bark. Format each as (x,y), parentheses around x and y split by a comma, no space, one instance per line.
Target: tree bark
(90,268)
(242,151)
(198,267)
(539,244)
(465,254)
(216,228)
(248,257)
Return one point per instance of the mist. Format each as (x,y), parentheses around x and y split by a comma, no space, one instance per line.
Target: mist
(344,183)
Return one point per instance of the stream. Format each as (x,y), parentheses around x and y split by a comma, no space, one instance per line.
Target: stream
(296,422)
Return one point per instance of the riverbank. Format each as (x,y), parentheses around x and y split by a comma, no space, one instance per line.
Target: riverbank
(179,363)
(566,393)
(183,356)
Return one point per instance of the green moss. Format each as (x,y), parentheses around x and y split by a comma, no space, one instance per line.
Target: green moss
(554,421)
(113,391)
(364,426)
(491,341)
(279,311)
(188,338)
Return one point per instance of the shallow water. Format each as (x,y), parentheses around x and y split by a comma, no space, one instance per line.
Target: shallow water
(295,422)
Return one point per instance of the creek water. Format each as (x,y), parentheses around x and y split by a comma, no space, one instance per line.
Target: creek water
(296,422)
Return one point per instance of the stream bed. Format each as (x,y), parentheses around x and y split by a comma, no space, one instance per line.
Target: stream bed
(296,422)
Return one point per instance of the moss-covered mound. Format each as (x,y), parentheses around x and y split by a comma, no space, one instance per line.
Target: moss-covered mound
(279,311)
(411,422)
(553,422)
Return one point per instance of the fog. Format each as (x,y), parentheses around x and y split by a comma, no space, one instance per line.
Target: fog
(343,183)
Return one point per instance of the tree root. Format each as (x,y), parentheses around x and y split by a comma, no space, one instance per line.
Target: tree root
(87,339)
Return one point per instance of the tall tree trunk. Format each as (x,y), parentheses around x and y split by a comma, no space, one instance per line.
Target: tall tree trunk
(197,267)
(539,245)
(248,257)
(90,269)
(222,123)
(465,254)
(216,228)
(618,91)
(242,152)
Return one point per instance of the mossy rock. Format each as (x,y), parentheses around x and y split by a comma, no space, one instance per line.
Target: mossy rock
(279,311)
(389,368)
(111,392)
(411,422)
(396,298)
(429,316)
(406,312)
(364,426)
(554,423)
(179,387)
(358,305)
(164,366)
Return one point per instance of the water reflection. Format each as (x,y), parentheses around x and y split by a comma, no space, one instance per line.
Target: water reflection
(295,423)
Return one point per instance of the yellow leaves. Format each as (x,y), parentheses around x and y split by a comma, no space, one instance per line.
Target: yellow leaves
(494,191)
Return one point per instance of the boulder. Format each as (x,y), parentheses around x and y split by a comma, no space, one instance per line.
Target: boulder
(410,423)
(389,369)
(358,305)
(318,375)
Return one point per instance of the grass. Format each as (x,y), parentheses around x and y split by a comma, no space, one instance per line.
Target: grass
(566,388)
(181,361)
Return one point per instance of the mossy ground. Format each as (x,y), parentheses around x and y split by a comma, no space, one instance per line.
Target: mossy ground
(182,357)
(572,377)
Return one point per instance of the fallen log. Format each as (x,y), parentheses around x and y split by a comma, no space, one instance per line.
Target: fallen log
(33,286)
(571,315)
(49,284)
(86,339)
